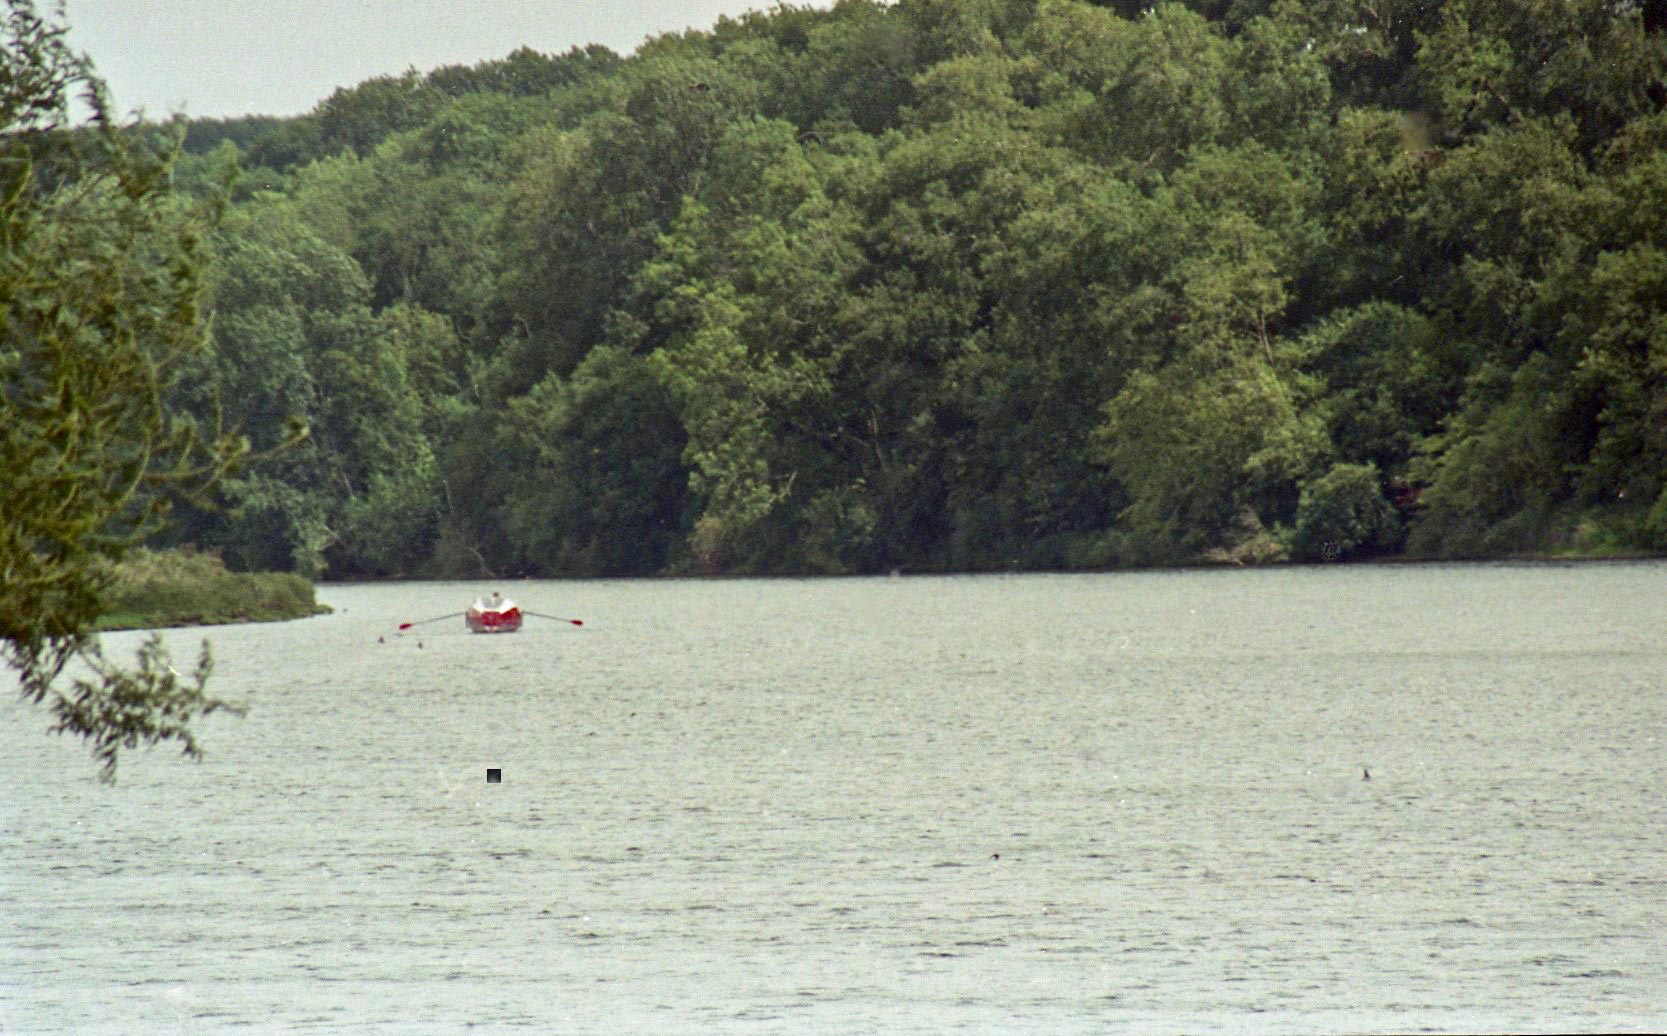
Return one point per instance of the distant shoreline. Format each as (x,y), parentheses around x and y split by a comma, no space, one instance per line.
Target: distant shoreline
(1368,562)
(181,588)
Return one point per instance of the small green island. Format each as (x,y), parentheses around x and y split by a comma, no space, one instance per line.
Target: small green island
(151,589)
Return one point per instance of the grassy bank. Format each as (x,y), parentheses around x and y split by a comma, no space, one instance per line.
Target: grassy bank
(152,589)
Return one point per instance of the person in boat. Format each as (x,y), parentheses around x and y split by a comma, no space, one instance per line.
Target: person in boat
(495,602)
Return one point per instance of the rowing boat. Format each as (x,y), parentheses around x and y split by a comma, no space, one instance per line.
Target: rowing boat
(493,615)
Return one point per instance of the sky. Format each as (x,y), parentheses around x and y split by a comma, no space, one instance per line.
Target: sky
(220,58)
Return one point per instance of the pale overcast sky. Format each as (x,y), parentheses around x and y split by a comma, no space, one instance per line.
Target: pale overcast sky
(216,58)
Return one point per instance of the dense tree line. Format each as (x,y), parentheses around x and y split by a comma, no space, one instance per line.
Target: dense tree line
(956,286)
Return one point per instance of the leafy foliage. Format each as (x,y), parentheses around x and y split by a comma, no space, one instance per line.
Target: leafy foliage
(1005,283)
(125,708)
(100,277)
(1344,512)
(151,589)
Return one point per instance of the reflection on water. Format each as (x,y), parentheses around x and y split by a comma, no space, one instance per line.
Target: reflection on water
(1039,803)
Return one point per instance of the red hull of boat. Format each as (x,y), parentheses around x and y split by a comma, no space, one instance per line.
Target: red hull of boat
(485,620)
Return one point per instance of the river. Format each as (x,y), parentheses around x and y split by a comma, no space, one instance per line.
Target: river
(1039,803)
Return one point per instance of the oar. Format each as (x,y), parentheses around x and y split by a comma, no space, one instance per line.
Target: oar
(437,618)
(558,618)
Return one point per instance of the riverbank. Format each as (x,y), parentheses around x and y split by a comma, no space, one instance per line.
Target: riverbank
(154,589)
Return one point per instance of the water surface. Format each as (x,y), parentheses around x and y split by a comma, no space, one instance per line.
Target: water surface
(981,804)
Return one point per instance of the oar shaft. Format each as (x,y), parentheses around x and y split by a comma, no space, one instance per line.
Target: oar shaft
(437,618)
(558,618)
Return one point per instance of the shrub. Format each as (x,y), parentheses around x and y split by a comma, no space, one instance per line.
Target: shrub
(183,587)
(1344,512)
(1655,525)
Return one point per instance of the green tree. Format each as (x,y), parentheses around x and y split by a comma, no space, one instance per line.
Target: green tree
(740,309)
(1390,377)
(589,204)
(1075,305)
(1500,465)
(296,343)
(603,489)
(100,274)
(1133,95)
(857,69)
(1344,512)
(357,118)
(1210,457)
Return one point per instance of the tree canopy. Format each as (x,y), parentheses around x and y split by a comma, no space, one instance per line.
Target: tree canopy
(974,286)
